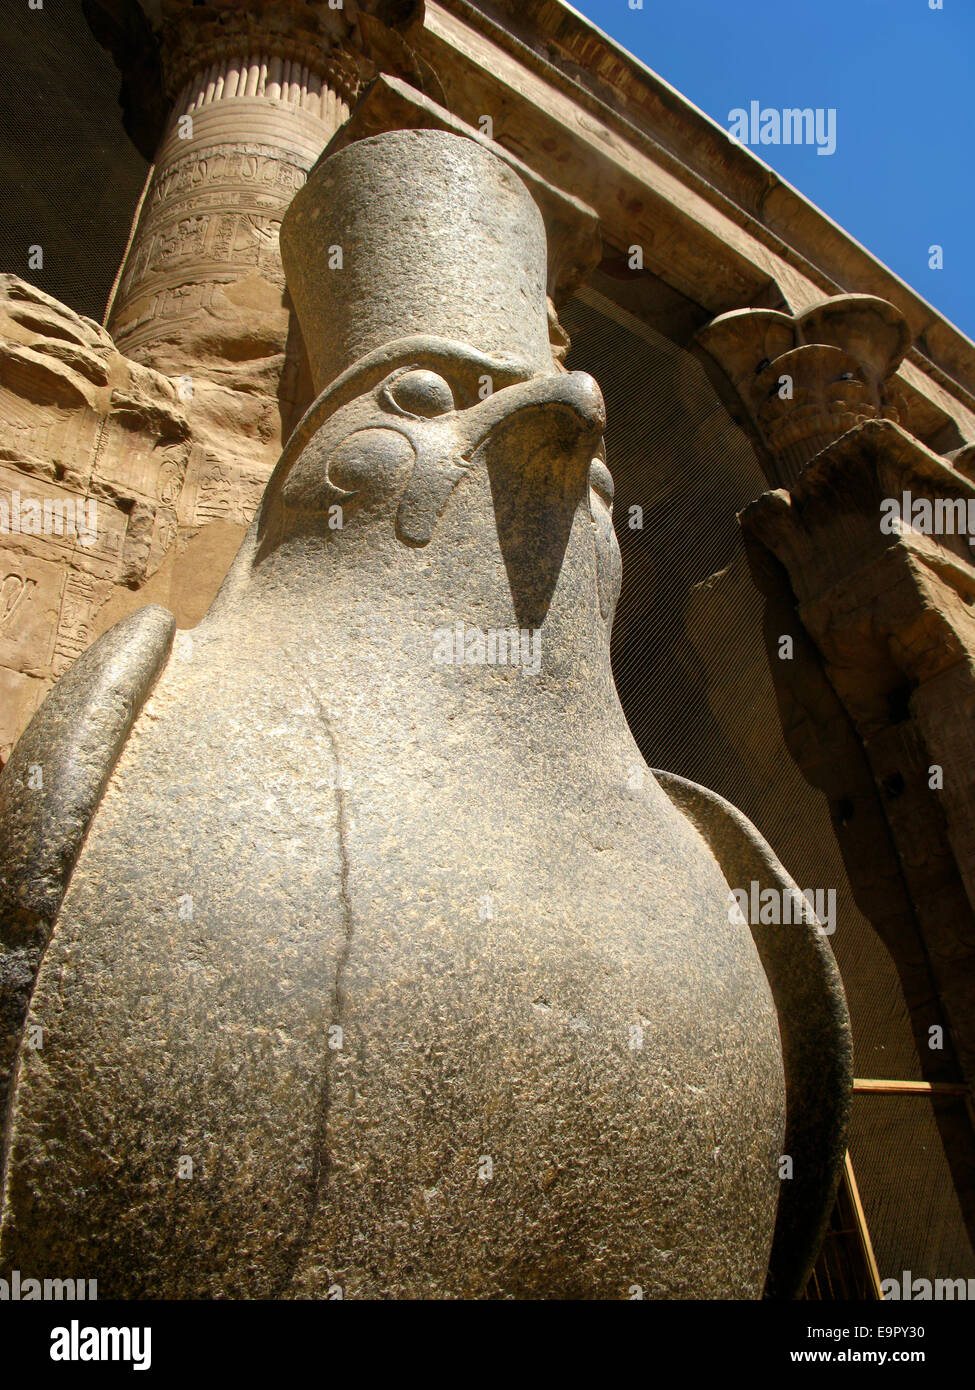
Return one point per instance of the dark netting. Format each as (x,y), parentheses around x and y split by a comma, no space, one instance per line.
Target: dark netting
(910,1201)
(693,675)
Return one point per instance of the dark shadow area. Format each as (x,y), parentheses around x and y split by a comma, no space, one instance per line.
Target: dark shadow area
(71,177)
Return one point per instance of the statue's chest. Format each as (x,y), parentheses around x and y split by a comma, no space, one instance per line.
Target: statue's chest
(353,1006)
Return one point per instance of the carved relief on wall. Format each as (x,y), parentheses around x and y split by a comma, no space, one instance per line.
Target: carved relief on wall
(103,468)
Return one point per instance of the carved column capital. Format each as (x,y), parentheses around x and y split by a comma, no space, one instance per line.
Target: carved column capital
(806,379)
(160,46)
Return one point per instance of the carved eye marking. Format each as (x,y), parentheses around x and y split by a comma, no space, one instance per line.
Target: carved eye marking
(601,482)
(374,461)
(419,392)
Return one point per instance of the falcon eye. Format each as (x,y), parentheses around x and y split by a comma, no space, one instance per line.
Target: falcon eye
(601,482)
(419,392)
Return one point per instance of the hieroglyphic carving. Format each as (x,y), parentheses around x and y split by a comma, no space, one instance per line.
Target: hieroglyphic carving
(211,215)
(169,481)
(187,238)
(30,588)
(216,207)
(213,501)
(14,588)
(227,167)
(75,627)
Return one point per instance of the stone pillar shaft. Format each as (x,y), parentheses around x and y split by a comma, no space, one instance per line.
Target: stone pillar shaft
(222,180)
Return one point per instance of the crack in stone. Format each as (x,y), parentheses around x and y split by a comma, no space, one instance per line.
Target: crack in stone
(320,1161)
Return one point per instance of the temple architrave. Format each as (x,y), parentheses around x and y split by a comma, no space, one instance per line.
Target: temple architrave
(784,636)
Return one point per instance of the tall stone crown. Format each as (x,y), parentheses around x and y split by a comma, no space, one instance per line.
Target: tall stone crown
(465,263)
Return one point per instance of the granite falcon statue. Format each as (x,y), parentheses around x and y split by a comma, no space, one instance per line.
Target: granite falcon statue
(332,964)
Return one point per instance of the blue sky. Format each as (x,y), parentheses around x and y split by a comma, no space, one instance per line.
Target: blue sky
(901,78)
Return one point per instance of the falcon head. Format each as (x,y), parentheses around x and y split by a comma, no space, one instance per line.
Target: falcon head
(397,433)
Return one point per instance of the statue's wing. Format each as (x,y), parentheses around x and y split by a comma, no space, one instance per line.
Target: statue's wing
(815,1029)
(50,790)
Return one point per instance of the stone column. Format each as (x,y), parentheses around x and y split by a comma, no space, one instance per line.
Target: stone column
(233,103)
(869,643)
(203,272)
(888,605)
(887,611)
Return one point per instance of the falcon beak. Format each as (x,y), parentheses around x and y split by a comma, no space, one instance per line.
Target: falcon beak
(536,440)
(545,430)
(570,401)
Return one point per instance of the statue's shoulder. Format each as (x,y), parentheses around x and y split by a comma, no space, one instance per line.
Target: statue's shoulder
(51,787)
(814,1026)
(58,770)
